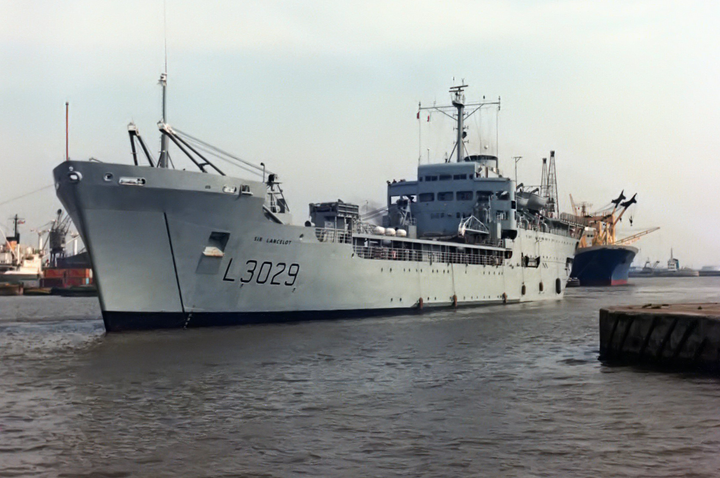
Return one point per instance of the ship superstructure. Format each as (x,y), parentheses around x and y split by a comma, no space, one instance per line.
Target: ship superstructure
(174,248)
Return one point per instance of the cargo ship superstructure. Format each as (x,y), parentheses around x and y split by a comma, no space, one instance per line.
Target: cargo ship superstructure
(601,259)
(175,248)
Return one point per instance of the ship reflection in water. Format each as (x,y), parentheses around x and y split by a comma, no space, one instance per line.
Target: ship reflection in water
(513,390)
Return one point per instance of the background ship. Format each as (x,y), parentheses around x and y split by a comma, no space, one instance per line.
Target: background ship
(674,269)
(19,264)
(600,259)
(49,268)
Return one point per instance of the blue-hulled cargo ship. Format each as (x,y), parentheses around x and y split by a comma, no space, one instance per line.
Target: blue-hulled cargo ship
(603,265)
(600,259)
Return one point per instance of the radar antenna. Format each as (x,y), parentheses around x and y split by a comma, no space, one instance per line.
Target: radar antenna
(458,103)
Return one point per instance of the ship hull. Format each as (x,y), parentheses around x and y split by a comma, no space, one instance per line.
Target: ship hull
(709,273)
(148,246)
(125,321)
(603,265)
(677,273)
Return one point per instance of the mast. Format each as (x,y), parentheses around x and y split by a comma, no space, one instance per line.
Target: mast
(16,221)
(67,127)
(459,102)
(552,189)
(163,159)
(163,162)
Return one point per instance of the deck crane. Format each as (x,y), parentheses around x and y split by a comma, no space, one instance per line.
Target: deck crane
(606,234)
(56,237)
(626,241)
(603,223)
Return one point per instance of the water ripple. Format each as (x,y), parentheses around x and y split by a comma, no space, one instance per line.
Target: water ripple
(500,391)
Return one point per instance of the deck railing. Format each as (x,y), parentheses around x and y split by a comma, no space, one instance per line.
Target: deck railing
(393,254)
(333,235)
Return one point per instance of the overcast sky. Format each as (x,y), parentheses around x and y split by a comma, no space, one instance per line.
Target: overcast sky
(326,94)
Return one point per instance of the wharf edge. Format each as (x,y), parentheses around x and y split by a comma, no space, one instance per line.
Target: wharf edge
(682,336)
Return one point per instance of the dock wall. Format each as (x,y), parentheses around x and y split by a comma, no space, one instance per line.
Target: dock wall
(679,336)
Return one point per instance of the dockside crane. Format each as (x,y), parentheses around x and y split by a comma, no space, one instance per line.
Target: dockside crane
(56,237)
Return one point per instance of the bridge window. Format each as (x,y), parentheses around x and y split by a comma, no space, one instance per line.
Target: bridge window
(426,197)
(464,195)
(445,177)
(446,196)
(460,176)
(430,178)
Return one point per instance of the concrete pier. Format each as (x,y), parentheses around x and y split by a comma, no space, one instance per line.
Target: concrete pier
(683,336)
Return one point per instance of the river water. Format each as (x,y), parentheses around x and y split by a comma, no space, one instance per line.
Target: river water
(499,391)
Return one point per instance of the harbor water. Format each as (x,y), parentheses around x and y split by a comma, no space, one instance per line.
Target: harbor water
(510,391)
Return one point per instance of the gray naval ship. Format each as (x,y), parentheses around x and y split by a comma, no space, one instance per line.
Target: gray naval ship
(175,248)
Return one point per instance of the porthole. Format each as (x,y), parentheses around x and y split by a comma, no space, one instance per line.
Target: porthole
(108,177)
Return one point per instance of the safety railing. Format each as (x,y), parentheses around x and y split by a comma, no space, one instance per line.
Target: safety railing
(389,253)
(333,235)
(533,226)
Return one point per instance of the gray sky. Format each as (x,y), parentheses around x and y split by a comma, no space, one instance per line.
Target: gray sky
(325,93)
